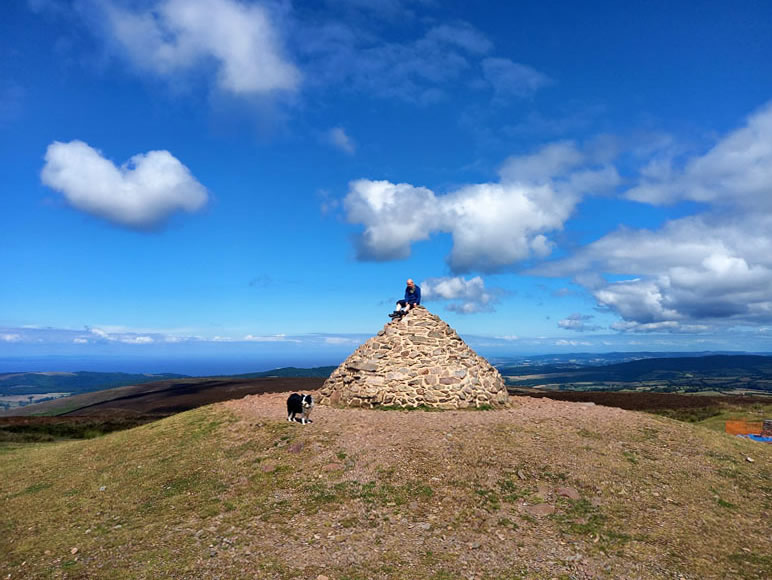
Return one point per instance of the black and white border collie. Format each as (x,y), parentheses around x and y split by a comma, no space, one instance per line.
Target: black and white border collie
(299,408)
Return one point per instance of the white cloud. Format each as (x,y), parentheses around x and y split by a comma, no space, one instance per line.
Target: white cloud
(338,138)
(696,270)
(493,225)
(737,171)
(272,338)
(513,79)
(8,337)
(99,333)
(341,340)
(136,339)
(235,40)
(564,342)
(141,194)
(394,215)
(708,271)
(122,337)
(578,322)
(551,161)
(467,296)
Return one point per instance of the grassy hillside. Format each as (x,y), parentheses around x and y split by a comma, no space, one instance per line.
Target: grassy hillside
(547,489)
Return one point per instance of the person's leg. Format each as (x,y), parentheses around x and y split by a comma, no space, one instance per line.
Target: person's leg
(398,312)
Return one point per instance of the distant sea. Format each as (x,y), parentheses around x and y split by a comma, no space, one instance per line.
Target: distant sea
(193,366)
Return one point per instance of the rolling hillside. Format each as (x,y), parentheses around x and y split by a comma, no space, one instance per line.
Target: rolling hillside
(164,398)
(687,374)
(546,489)
(23,383)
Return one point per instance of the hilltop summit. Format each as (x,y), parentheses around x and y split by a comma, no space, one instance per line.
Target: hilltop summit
(416,361)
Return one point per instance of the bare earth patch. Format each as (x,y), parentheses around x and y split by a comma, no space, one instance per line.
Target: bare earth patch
(544,489)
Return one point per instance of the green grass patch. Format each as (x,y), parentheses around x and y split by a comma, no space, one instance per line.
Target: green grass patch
(322,495)
(631,456)
(580,517)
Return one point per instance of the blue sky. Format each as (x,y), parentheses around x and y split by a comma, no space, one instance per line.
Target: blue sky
(239,178)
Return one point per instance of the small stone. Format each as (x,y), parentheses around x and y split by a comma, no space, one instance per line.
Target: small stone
(322,577)
(102,488)
(749,459)
(568,492)
(540,509)
(520,474)
(74,551)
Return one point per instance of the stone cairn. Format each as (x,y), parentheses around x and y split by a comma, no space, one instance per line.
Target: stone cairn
(416,361)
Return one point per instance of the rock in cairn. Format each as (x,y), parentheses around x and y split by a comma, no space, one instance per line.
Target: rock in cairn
(416,361)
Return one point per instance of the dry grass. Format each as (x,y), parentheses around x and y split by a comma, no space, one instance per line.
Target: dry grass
(234,491)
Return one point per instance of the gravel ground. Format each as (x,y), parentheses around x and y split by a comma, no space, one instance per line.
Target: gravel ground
(544,489)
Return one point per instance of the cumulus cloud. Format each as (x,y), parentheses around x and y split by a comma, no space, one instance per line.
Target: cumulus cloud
(578,322)
(9,337)
(693,270)
(465,296)
(140,194)
(510,79)
(699,273)
(737,171)
(239,42)
(337,137)
(122,337)
(394,215)
(493,225)
(564,342)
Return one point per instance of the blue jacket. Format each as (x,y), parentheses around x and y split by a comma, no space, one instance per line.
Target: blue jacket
(413,297)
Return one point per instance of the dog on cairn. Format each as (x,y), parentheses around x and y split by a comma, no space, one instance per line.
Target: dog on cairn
(299,408)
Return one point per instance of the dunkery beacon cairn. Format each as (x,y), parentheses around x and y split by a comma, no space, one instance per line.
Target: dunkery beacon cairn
(416,361)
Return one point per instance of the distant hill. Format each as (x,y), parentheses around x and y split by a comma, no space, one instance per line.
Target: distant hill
(321,372)
(24,383)
(642,369)
(693,374)
(167,397)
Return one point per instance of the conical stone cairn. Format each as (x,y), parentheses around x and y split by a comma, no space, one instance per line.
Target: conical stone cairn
(416,361)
